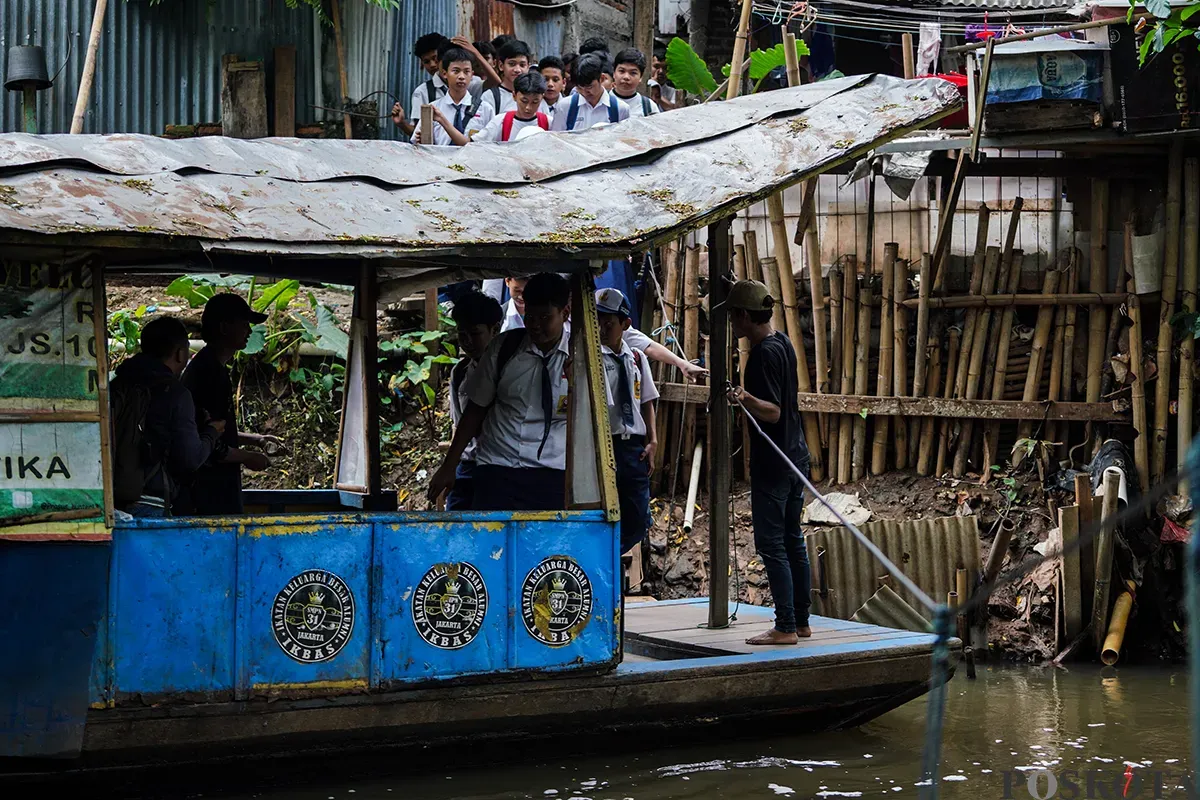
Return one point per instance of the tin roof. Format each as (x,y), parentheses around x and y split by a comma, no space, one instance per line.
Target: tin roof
(554,196)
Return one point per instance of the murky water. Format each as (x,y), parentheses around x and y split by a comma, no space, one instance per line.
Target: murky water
(1001,728)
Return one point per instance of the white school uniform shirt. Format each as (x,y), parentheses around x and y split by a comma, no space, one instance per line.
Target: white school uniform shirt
(458,402)
(420,95)
(632,337)
(589,114)
(513,318)
(494,287)
(494,130)
(487,109)
(559,106)
(450,109)
(641,386)
(639,104)
(512,430)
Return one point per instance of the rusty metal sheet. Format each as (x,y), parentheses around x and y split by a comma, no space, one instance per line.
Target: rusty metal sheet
(929,551)
(628,203)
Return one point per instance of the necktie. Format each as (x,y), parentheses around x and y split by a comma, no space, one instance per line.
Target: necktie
(626,396)
(458,117)
(547,400)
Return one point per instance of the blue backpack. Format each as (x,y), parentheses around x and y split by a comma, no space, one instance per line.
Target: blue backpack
(614,111)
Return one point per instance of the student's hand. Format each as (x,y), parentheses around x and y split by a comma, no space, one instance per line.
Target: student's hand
(217,425)
(272,445)
(441,482)
(398,117)
(255,461)
(694,372)
(417,136)
(468,45)
(648,456)
(441,119)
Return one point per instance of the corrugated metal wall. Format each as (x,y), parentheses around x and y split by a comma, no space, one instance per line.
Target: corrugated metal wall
(369,45)
(543,30)
(157,65)
(414,19)
(492,18)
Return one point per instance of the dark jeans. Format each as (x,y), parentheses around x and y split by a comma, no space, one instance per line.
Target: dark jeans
(633,490)
(775,508)
(519,489)
(462,496)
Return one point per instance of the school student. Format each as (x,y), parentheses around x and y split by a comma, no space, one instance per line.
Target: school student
(569,60)
(514,57)
(627,77)
(662,91)
(591,104)
(429,48)
(517,408)
(514,307)
(631,396)
(477,318)
(528,90)
(554,71)
(452,111)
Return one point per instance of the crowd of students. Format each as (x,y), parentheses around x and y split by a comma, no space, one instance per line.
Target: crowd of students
(497,92)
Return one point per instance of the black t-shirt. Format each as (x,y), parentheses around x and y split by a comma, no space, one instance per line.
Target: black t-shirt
(217,488)
(771,376)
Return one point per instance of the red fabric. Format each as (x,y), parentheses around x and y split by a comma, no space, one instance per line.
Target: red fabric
(1172,532)
(506,127)
(959,118)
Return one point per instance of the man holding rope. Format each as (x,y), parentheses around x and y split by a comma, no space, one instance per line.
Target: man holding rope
(768,393)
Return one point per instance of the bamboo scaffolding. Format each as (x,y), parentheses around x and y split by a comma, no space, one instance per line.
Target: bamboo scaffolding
(1187,347)
(975,287)
(1097,270)
(1026,300)
(691,333)
(772,278)
(900,358)
(1137,386)
(1003,345)
(925,439)
(1104,553)
(667,420)
(739,272)
(975,363)
(858,466)
(1041,335)
(921,355)
(835,366)
(1167,308)
(812,259)
(944,424)
(849,315)
(1056,359)
(1071,313)
(883,386)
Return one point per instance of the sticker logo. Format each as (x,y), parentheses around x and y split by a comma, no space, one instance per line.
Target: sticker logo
(449,605)
(556,601)
(313,616)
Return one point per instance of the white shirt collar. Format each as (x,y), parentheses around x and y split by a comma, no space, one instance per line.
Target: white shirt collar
(609,351)
(603,101)
(564,344)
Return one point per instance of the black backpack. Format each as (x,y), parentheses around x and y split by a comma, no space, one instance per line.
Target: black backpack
(134,458)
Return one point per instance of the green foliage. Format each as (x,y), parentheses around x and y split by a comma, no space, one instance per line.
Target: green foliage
(325,333)
(1166,25)
(419,350)
(687,70)
(1187,323)
(762,62)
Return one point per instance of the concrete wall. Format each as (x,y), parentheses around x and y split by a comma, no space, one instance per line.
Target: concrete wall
(611,20)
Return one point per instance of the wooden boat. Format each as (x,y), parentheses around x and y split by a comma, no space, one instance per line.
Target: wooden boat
(335,620)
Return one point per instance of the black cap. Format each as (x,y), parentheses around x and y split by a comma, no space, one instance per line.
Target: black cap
(229,307)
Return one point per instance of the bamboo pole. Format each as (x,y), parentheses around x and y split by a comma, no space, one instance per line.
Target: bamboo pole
(900,358)
(739,272)
(883,386)
(933,378)
(691,333)
(1003,344)
(89,67)
(849,315)
(906,44)
(1110,651)
(812,258)
(790,58)
(1098,269)
(1056,359)
(1041,335)
(921,355)
(1067,381)
(835,365)
(1068,526)
(975,363)
(1033,300)
(1087,558)
(978,265)
(944,424)
(1167,307)
(858,464)
(772,278)
(941,247)
(1188,288)
(1104,552)
(1137,388)
(740,45)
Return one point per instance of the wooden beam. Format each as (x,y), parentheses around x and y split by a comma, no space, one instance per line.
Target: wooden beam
(995,300)
(285,90)
(720,254)
(924,406)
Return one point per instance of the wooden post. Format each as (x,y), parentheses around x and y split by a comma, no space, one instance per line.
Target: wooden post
(849,315)
(1041,335)
(368,313)
(243,99)
(906,44)
(835,364)
(1167,307)
(858,463)
(944,424)
(1056,359)
(812,257)
(1104,553)
(740,46)
(921,356)
(925,438)
(1097,274)
(645,14)
(900,357)
(975,363)
(1087,558)
(1067,381)
(427,124)
(739,272)
(285,90)
(691,333)
(89,67)
(962,370)
(1137,388)
(719,239)
(1187,348)
(1003,343)
(883,386)
(941,247)
(343,79)
(100,331)
(1068,525)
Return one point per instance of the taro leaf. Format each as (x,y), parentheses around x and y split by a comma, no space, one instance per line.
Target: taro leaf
(429,336)
(445,360)
(1159,8)
(186,288)
(297,375)
(763,61)
(257,341)
(687,71)
(278,294)
(418,348)
(430,395)
(326,334)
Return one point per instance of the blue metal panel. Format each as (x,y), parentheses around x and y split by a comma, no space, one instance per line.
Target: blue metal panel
(304,605)
(54,597)
(172,611)
(444,598)
(157,65)
(566,593)
(411,21)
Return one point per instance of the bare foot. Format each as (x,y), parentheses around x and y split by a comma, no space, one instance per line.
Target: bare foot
(774,636)
(804,632)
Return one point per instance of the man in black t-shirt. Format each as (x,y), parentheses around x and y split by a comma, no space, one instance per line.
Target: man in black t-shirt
(768,392)
(217,487)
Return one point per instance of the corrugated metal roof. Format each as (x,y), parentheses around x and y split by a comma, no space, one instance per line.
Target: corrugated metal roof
(157,65)
(887,609)
(599,191)
(929,551)
(1058,6)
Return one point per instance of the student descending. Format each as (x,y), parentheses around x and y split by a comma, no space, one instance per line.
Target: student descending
(517,408)
(630,65)
(631,395)
(528,90)
(429,49)
(514,59)
(591,104)
(452,111)
(555,74)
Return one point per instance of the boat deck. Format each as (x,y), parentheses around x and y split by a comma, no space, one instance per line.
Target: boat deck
(673,629)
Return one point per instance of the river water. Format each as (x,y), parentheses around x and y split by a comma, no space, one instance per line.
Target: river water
(1088,727)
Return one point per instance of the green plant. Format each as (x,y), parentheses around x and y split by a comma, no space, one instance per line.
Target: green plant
(762,62)
(124,332)
(1165,25)
(687,70)
(419,351)
(1187,322)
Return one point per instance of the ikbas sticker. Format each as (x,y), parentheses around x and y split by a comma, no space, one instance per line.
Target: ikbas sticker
(449,605)
(556,601)
(313,616)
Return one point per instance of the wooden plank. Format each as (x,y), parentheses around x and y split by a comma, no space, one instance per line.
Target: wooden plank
(285,90)
(243,99)
(925,406)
